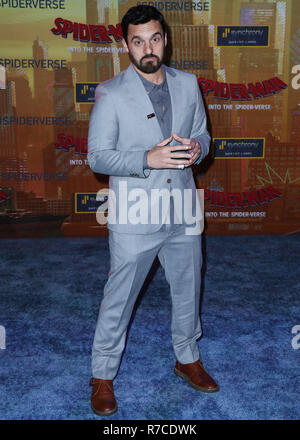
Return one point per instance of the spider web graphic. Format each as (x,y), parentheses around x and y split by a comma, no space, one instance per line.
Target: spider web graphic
(286,179)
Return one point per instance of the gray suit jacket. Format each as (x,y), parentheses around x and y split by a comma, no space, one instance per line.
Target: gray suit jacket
(119,134)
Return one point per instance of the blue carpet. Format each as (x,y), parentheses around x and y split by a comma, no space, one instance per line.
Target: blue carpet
(50,295)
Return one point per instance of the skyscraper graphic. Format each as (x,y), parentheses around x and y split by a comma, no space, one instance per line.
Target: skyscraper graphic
(64,94)
(39,52)
(7,130)
(100,66)
(42,78)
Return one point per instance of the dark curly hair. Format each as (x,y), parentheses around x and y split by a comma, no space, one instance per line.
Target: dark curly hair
(139,15)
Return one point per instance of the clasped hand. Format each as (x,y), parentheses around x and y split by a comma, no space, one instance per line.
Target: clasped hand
(163,155)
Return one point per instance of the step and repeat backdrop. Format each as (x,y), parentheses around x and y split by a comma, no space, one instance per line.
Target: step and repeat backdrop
(246,56)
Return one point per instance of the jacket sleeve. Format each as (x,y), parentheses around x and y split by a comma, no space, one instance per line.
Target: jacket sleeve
(199,130)
(103,157)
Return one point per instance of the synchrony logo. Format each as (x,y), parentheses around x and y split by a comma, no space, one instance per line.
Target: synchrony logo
(85,93)
(243,36)
(239,148)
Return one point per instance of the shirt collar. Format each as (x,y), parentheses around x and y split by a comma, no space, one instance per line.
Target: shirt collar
(150,86)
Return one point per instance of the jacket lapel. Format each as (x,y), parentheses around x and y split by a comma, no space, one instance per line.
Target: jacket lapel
(176,99)
(142,103)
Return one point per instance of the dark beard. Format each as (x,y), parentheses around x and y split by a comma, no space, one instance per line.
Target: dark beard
(147,67)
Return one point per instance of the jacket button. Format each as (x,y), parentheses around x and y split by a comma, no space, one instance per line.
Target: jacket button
(169,180)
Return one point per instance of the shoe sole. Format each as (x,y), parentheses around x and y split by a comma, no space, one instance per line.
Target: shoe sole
(197,387)
(105,413)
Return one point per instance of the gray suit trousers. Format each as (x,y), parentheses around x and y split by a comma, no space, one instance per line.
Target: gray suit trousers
(131,257)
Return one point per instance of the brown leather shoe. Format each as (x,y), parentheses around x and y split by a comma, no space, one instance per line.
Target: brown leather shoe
(103,400)
(196,376)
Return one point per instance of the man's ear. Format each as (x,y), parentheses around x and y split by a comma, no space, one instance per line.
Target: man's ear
(125,45)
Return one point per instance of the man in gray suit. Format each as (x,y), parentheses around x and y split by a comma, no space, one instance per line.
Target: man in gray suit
(147,127)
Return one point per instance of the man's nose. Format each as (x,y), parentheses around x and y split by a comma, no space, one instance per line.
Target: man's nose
(148,48)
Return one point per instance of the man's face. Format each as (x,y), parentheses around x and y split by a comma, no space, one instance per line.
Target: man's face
(146,46)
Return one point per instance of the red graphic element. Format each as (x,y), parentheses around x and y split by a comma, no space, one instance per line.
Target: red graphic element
(247,199)
(87,32)
(3,196)
(66,142)
(241,92)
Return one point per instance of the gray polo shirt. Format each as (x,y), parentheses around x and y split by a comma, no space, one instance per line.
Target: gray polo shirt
(161,101)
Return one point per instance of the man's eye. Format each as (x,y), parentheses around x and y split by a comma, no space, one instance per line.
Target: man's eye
(137,43)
